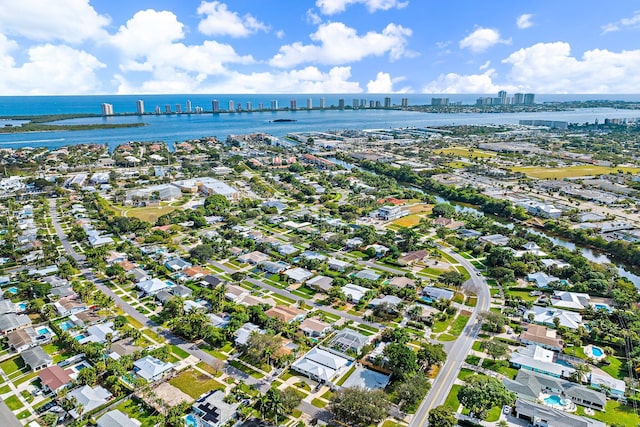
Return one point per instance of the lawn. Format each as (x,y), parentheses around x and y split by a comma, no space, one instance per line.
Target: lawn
(25,378)
(195,383)
(247,370)
(472,359)
(440,325)
(458,325)
(615,368)
(179,352)
(452,401)
(466,152)
(501,367)
(13,403)
(149,214)
(472,301)
(136,409)
(134,323)
(408,221)
(346,376)
(12,365)
(493,414)
(464,373)
(24,414)
(569,171)
(208,369)
(522,294)
(615,413)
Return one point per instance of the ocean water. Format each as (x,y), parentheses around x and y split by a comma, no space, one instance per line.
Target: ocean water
(172,128)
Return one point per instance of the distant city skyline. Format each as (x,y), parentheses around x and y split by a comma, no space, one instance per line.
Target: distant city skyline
(72,47)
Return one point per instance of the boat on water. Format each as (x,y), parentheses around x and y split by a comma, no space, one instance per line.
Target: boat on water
(282,121)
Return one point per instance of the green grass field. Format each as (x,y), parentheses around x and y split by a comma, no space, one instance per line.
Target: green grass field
(452,401)
(569,171)
(136,409)
(12,365)
(13,403)
(195,383)
(614,413)
(458,325)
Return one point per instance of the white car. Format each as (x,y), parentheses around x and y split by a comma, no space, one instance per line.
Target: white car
(506,409)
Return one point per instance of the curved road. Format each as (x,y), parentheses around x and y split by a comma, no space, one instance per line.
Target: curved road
(460,348)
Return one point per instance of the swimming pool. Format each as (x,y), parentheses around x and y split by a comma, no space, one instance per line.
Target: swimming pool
(65,326)
(426,299)
(555,401)
(169,283)
(13,290)
(44,331)
(190,421)
(22,306)
(80,367)
(79,337)
(596,351)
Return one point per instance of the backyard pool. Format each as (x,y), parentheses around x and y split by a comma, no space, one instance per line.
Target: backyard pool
(65,326)
(79,367)
(594,352)
(169,283)
(555,401)
(13,290)
(427,299)
(22,306)
(44,331)
(190,421)
(79,337)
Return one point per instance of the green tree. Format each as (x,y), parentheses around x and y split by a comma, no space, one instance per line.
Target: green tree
(442,416)
(401,360)
(481,393)
(443,209)
(431,354)
(495,349)
(216,205)
(290,399)
(202,253)
(495,322)
(452,278)
(359,407)
(87,376)
(411,392)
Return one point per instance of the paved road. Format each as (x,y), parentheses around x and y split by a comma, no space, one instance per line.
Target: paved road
(459,350)
(7,419)
(61,234)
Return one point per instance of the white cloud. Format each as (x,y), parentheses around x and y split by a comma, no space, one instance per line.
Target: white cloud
(550,68)
(71,21)
(633,22)
(331,7)
(482,39)
(307,80)
(457,83)
(338,44)
(57,63)
(524,21)
(143,48)
(220,21)
(280,34)
(313,18)
(384,84)
(485,66)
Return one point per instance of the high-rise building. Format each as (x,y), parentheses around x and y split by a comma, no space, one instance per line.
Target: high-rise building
(405,102)
(503,97)
(215,106)
(249,106)
(387,102)
(107,109)
(199,110)
(293,104)
(378,104)
(188,109)
(363,103)
(231,106)
(518,98)
(140,106)
(167,108)
(260,106)
(309,103)
(178,108)
(355,103)
(274,104)
(323,103)
(341,103)
(439,102)
(157,109)
(529,98)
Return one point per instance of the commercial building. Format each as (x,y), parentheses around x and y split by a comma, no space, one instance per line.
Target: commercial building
(107,109)
(215,106)
(140,106)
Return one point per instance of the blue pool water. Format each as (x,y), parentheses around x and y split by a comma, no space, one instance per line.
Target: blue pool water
(426,299)
(554,400)
(22,306)
(65,326)
(596,351)
(169,283)
(44,331)
(79,337)
(80,367)
(13,290)
(190,421)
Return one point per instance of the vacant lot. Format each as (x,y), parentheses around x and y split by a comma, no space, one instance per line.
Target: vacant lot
(569,171)
(150,214)
(467,152)
(408,221)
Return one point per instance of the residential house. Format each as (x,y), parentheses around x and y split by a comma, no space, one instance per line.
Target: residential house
(123,347)
(545,316)
(381,250)
(11,321)
(494,239)
(70,304)
(115,418)
(531,386)
(449,223)
(390,213)
(559,264)
(287,249)
(413,257)
(349,340)
(139,275)
(313,256)
(615,386)
(163,297)
(235,293)
(574,300)
(402,282)
(181,291)
(6,306)
(274,267)
(54,378)
(354,243)
(177,264)
(193,272)
(152,286)
(211,281)
(322,364)
(245,331)
(541,279)
(99,333)
(211,410)
(367,275)
(298,274)
(255,258)
(151,369)
(538,415)
(36,358)
(320,283)
(354,293)
(338,265)
(437,293)
(391,301)
(23,339)
(89,397)
(314,328)
(541,336)
(537,359)
(285,314)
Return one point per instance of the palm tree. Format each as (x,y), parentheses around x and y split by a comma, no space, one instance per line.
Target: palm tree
(581,370)
(275,404)
(262,405)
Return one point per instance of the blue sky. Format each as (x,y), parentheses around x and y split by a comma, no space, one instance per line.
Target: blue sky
(318,46)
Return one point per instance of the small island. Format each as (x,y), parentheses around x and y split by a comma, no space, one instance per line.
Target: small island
(44,123)
(282,121)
